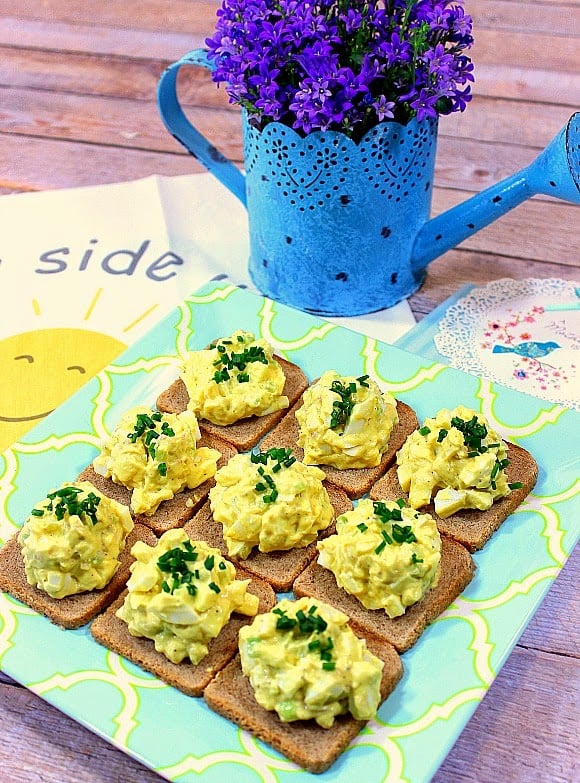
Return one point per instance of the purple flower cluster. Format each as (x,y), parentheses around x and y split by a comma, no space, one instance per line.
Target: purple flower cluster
(342,64)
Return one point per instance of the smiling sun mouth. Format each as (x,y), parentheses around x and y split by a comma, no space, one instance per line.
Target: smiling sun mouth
(17,419)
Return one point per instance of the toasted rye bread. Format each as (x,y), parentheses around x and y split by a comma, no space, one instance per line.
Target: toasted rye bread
(307,744)
(457,570)
(246,433)
(171,513)
(280,568)
(112,632)
(74,610)
(471,527)
(354,481)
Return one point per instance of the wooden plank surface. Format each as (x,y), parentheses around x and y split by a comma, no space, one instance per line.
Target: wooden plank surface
(77,107)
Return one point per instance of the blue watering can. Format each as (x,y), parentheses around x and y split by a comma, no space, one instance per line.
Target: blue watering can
(339,227)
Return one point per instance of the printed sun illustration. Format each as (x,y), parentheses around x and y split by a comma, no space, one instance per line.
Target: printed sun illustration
(41,368)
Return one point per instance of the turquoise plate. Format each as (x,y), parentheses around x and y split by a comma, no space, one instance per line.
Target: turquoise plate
(448,671)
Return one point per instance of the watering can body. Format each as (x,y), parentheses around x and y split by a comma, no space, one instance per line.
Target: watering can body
(342,228)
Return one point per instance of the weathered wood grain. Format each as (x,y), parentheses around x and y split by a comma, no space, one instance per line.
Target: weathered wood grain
(28,164)
(454,269)
(493,747)
(186,17)
(115,75)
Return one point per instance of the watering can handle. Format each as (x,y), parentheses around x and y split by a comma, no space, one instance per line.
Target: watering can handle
(180,127)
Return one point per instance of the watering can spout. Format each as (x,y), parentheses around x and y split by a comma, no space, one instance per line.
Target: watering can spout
(555,172)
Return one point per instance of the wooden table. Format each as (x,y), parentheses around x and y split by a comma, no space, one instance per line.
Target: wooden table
(77,107)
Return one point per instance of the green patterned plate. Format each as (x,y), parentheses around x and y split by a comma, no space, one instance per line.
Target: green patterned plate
(448,671)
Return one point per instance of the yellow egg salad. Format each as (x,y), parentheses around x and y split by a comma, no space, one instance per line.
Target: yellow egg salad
(345,422)
(155,455)
(72,540)
(269,500)
(457,458)
(304,662)
(385,554)
(234,378)
(181,595)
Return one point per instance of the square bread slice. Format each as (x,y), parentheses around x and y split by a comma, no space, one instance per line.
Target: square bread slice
(112,632)
(457,570)
(471,527)
(304,742)
(354,481)
(246,433)
(74,610)
(280,568)
(171,513)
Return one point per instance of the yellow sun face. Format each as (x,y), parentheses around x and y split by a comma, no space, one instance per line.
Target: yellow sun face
(40,369)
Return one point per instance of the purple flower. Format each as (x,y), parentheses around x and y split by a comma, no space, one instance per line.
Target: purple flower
(343,64)
(424,105)
(384,108)
(396,50)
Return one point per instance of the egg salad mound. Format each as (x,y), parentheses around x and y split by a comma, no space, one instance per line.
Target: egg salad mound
(155,455)
(181,595)
(456,457)
(345,422)
(72,540)
(236,377)
(385,554)
(304,662)
(269,500)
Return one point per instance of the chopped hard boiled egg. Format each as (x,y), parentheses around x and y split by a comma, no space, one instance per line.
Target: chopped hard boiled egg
(72,540)
(269,500)
(385,554)
(345,422)
(456,457)
(236,377)
(181,595)
(304,662)
(156,455)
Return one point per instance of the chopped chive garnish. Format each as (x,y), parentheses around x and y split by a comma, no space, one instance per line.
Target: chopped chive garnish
(65,501)
(515,485)
(415,559)
(214,587)
(342,408)
(403,534)
(386,514)
(237,362)
(145,427)
(329,666)
(175,563)
(308,624)
(37,512)
(424,431)
(281,458)
(362,527)
(380,547)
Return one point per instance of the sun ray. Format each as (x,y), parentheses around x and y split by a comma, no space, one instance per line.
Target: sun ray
(140,318)
(93,304)
(36,307)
